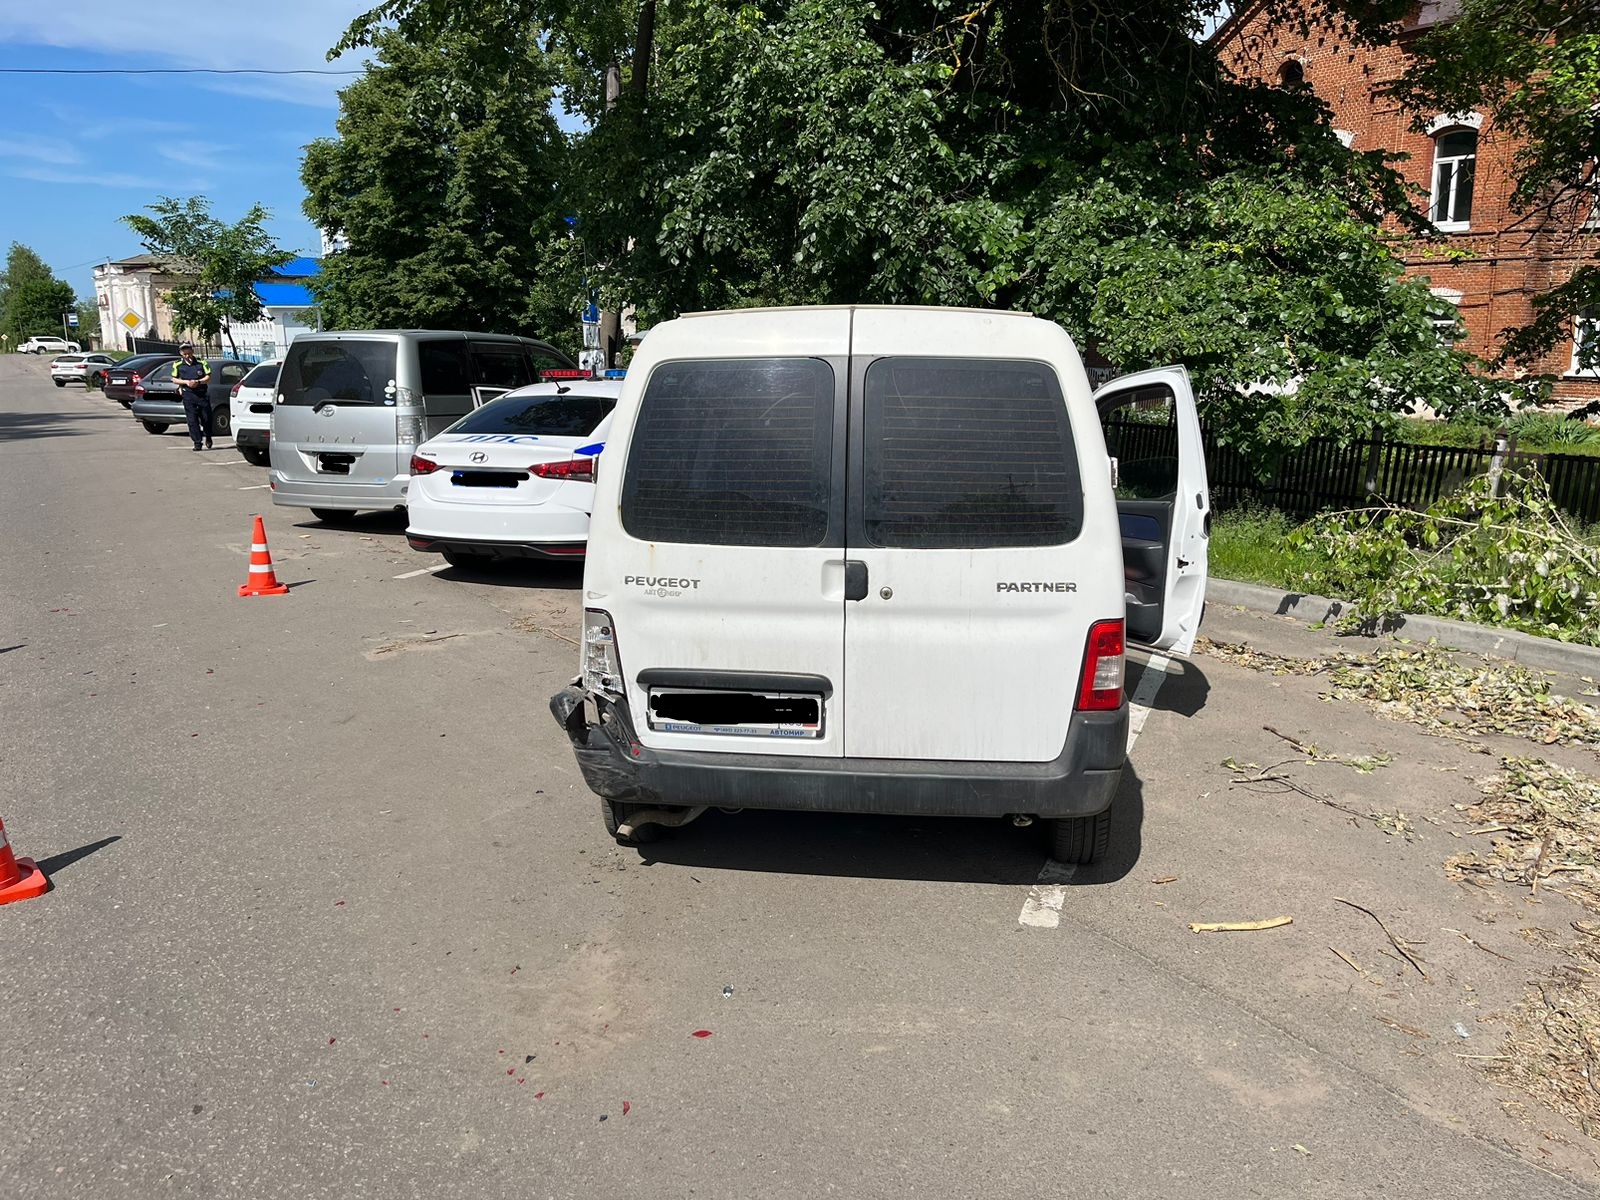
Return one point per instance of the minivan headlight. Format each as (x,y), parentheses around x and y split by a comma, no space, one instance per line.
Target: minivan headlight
(602,665)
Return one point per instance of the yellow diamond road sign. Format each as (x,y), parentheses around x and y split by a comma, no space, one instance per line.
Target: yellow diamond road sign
(132,320)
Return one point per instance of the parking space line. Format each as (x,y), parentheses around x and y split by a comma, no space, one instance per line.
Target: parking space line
(226,462)
(1042,908)
(254,487)
(423,571)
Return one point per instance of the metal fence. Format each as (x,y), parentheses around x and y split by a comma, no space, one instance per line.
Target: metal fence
(1323,474)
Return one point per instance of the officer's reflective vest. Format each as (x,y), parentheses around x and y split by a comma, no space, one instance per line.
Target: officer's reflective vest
(203,364)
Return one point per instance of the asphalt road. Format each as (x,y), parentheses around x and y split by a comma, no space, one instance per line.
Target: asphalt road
(333,914)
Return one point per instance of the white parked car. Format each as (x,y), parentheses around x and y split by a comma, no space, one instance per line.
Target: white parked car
(250,408)
(876,560)
(515,478)
(49,345)
(75,368)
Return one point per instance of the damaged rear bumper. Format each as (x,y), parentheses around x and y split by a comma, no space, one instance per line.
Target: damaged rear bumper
(1079,782)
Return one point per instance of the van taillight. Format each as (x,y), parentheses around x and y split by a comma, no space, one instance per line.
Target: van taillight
(581,469)
(423,466)
(1101,687)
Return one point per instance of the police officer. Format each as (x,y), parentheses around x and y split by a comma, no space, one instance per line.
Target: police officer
(192,374)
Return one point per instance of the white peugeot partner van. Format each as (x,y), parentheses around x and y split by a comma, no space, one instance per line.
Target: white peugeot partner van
(859,559)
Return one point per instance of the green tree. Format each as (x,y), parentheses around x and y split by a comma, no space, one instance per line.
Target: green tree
(31,298)
(1095,164)
(442,187)
(1533,66)
(88,322)
(221,262)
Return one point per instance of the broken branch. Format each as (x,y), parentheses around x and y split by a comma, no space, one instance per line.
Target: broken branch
(1388,933)
(1238,926)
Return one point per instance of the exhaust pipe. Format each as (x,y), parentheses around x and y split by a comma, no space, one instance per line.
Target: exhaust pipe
(658,816)
(1021,820)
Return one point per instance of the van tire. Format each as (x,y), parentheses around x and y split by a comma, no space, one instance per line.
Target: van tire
(615,813)
(1080,840)
(153,426)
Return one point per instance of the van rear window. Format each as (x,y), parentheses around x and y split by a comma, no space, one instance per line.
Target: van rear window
(733,453)
(346,372)
(968,454)
(570,415)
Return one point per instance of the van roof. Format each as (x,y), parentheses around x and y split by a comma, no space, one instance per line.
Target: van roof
(786,308)
(380,334)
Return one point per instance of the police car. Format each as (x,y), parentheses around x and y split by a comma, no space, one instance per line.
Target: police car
(515,478)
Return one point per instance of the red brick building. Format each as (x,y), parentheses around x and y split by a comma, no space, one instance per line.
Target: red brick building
(1487,259)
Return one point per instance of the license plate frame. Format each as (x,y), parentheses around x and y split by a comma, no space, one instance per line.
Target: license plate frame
(764,709)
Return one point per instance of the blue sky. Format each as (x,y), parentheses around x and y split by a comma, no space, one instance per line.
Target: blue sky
(78,152)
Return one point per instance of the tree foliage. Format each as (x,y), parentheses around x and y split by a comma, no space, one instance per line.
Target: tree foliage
(220,263)
(442,187)
(1095,164)
(32,299)
(1534,67)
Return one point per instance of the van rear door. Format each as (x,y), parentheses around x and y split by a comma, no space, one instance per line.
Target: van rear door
(1152,430)
(966,636)
(727,591)
(335,412)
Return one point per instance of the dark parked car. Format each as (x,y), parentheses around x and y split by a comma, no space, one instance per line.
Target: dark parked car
(121,380)
(158,406)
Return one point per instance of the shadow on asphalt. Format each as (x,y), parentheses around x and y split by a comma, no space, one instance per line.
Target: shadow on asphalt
(1183,692)
(935,849)
(60,862)
(20,426)
(539,574)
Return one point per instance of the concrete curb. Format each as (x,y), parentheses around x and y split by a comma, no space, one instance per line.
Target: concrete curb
(1541,653)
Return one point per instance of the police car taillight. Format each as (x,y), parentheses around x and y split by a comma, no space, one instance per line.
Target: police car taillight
(581,469)
(1101,687)
(235,390)
(602,664)
(423,466)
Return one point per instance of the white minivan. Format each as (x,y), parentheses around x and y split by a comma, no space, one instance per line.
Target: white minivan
(861,559)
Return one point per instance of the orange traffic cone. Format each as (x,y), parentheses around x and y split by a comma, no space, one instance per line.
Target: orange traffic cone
(20,878)
(262,582)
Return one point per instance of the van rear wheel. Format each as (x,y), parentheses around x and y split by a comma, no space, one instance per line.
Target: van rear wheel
(1080,840)
(615,813)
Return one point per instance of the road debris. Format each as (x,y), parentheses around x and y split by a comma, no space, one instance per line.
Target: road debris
(1409,1030)
(1165,879)
(1366,764)
(1544,820)
(1388,933)
(1302,1150)
(1238,926)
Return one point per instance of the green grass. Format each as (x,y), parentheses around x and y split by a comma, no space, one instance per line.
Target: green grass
(1537,432)
(1248,544)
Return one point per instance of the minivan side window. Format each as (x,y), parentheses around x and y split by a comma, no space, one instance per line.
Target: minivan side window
(968,454)
(501,365)
(733,453)
(442,367)
(344,372)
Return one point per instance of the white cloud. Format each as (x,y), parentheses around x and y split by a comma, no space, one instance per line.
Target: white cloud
(44,149)
(190,151)
(105,179)
(292,34)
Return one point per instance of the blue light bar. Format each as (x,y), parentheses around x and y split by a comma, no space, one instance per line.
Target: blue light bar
(616,373)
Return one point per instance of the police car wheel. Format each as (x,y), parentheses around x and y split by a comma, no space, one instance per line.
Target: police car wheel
(1080,840)
(615,814)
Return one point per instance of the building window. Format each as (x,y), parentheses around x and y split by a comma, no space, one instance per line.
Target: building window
(1455,158)
(1448,325)
(1292,73)
(1586,342)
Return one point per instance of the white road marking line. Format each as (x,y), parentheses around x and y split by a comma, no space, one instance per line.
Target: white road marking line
(424,571)
(254,487)
(226,462)
(1042,908)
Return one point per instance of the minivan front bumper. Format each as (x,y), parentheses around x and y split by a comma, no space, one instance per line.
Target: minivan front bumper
(1081,781)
